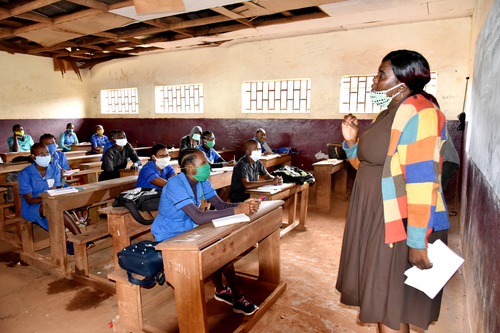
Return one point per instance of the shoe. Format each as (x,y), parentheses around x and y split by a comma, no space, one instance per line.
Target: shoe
(243,306)
(69,248)
(90,245)
(225,295)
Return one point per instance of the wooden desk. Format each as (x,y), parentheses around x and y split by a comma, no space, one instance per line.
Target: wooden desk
(85,146)
(75,153)
(291,195)
(54,206)
(277,161)
(6,168)
(84,176)
(143,151)
(323,173)
(227,154)
(192,256)
(74,162)
(174,153)
(8,157)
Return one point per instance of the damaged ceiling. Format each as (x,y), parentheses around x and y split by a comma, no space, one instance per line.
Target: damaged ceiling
(87,32)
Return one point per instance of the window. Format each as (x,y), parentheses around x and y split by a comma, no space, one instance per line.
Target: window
(186,98)
(355,93)
(119,101)
(283,96)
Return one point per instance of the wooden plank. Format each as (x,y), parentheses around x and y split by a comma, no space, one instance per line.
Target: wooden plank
(233,15)
(158,6)
(27,7)
(91,4)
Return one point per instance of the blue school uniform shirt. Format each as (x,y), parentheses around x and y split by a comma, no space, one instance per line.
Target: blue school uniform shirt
(150,172)
(171,220)
(212,157)
(31,181)
(61,160)
(97,141)
(67,139)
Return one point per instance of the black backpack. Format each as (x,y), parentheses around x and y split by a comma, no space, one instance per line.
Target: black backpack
(139,199)
(143,259)
(291,174)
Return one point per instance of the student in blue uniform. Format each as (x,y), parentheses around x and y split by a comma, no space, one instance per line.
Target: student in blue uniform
(207,146)
(58,157)
(38,178)
(179,212)
(98,140)
(19,141)
(157,171)
(68,138)
(261,138)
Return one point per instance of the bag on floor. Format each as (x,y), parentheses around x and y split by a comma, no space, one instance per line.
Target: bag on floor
(291,174)
(143,259)
(143,199)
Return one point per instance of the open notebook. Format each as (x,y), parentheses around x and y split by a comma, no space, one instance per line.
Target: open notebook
(231,220)
(64,190)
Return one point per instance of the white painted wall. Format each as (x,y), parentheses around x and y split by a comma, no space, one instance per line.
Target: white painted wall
(324,58)
(31,89)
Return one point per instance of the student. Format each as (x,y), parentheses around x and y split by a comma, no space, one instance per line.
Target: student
(110,142)
(68,138)
(156,172)
(247,171)
(192,140)
(207,146)
(261,137)
(117,156)
(58,157)
(19,141)
(98,140)
(179,212)
(38,178)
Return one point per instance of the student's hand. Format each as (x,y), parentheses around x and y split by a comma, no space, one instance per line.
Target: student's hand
(247,207)
(268,152)
(350,129)
(277,180)
(134,167)
(419,258)
(231,163)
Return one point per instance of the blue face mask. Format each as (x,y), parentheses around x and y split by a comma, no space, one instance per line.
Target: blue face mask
(52,148)
(42,161)
(70,130)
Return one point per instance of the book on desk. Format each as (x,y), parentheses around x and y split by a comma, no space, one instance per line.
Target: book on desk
(272,188)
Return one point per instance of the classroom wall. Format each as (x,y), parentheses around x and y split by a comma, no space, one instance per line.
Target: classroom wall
(479,222)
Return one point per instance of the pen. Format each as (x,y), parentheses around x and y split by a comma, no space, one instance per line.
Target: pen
(234,157)
(263,198)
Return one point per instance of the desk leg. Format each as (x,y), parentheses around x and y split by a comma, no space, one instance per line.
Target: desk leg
(304,202)
(323,187)
(120,240)
(182,271)
(292,208)
(340,184)
(269,258)
(57,232)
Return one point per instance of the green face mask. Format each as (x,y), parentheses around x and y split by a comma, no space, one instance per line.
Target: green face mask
(203,173)
(211,144)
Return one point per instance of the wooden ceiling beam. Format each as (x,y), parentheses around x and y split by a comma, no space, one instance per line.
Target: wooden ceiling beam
(144,32)
(52,48)
(167,27)
(36,17)
(232,15)
(27,7)
(77,15)
(118,5)
(10,47)
(91,4)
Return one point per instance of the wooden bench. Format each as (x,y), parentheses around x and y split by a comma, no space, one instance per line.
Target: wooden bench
(193,256)
(276,162)
(75,162)
(28,244)
(291,195)
(84,146)
(8,157)
(323,172)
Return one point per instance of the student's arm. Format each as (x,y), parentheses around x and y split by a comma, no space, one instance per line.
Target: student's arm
(107,161)
(133,157)
(61,142)
(76,139)
(269,180)
(160,182)
(15,144)
(202,217)
(30,200)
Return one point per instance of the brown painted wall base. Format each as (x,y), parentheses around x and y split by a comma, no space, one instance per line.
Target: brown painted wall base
(480,238)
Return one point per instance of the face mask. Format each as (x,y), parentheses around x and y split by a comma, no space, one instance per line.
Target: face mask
(256,154)
(196,137)
(100,132)
(42,161)
(203,173)
(52,148)
(211,144)
(121,142)
(162,162)
(380,98)
(70,130)
(20,133)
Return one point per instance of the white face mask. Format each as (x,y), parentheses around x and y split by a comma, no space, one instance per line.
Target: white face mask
(121,142)
(196,137)
(162,162)
(380,97)
(43,161)
(256,154)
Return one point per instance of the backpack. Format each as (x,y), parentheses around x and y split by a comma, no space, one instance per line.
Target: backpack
(291,174)
(143,259)
(336,151)
(139,199)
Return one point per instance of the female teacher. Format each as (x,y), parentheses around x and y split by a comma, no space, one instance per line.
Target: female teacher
(397,205)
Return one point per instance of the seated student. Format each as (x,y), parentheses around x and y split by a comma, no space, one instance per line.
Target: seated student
(247,171)
(98,140)
(157,171)
(19,141)
(58,157)
(178,212)
(260,136)
(110,142)
(117,156)
(38,178)
(68,138)
(192,140)
(207,146)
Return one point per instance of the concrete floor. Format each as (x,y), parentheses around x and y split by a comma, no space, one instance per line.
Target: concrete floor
(35,301)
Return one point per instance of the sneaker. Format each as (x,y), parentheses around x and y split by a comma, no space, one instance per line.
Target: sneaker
(243,306)
(69,248)
(90,245)
(225,295)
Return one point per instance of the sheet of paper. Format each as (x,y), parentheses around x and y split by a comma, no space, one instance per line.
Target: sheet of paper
(59,191)
(272,188)
(269,157)
(430,281)
(331,161)
(70,172)
(238,218)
